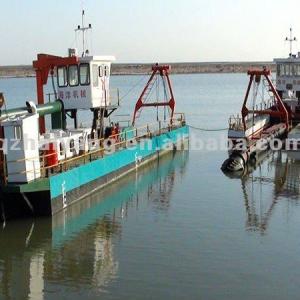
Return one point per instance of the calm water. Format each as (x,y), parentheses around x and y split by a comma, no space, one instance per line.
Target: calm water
(177,229)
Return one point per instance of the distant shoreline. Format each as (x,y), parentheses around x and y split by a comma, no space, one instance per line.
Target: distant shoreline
(139,69)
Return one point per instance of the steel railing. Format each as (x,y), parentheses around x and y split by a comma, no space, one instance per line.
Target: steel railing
(120,141)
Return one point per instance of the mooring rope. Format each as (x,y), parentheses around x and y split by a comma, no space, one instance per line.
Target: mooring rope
(206,129)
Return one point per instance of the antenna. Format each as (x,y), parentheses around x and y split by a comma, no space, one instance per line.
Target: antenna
(83,30)
(291,39)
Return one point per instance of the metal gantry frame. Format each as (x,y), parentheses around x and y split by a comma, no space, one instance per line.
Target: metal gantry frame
(163,72)
(44,65)
(279,111)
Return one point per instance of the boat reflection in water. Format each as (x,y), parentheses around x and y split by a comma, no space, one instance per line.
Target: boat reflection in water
(76,247)
(275,176)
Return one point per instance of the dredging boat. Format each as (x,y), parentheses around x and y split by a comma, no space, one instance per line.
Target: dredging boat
(276,114)
(46,169)
(47,246)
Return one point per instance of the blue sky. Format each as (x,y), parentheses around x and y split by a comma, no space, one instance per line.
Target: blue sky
(151,30)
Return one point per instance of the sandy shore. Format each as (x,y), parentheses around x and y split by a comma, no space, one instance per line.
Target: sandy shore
(134,69)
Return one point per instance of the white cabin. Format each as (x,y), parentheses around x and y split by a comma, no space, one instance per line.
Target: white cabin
(288,76)
(86,84)
(22,154)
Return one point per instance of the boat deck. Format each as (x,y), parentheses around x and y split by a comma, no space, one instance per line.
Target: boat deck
(120,141)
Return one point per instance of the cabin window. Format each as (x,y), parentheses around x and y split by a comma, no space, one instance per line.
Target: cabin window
(72,146)
(89,137)
(278,70)
(95,76)
(81,143)
(73,75)
(106,71)
(61,149)
(293,70)
(297,70)
(84,73)
(282,70)
(18,132)
(287,70)
(62,76)
(101,72)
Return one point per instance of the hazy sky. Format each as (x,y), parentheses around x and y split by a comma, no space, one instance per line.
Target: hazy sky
(151,30)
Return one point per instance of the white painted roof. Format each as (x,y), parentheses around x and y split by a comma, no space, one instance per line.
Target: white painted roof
(97,58)
(287,60)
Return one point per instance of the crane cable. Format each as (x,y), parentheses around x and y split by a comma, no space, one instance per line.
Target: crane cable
(165,98)
(157,96)
(134,87)
(151,91)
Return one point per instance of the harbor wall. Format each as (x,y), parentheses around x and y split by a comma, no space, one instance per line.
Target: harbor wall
(140,68)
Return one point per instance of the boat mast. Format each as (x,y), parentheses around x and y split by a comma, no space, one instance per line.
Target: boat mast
(83,29)
(291,40)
